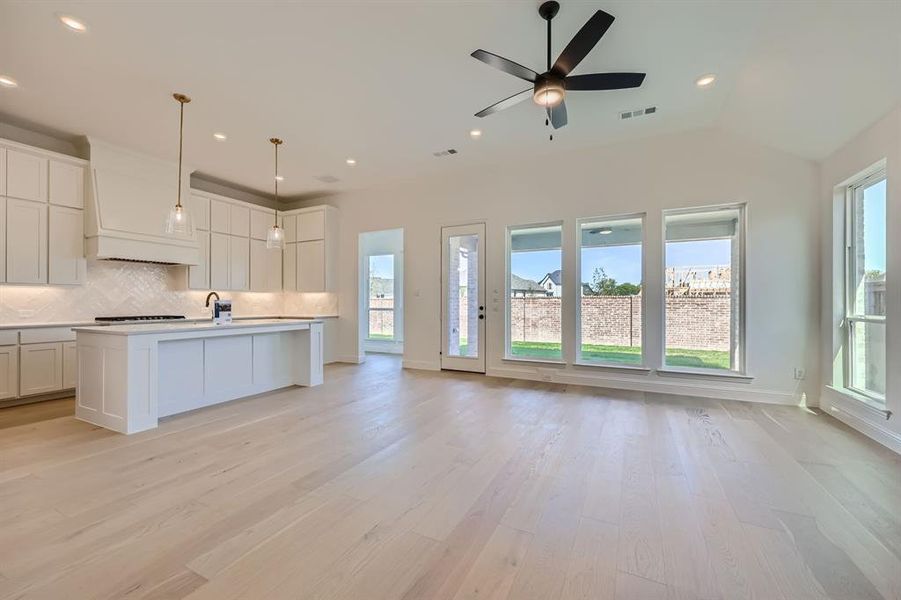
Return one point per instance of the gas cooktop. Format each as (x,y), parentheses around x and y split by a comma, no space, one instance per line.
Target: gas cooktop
(138,318)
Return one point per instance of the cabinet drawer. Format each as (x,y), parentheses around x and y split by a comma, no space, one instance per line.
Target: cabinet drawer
(9,336)
(41,335)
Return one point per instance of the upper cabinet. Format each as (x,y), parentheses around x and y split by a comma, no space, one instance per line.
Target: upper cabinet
(26,175)
(66,184)
(200,210)
(311,251)
(261,220)
(219,216)
(239,217)
(42,221)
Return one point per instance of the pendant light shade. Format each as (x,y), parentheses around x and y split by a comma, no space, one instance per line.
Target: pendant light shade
(179,221)
(275,237)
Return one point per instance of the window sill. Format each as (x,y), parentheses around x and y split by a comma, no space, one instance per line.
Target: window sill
(705,374)
(537,361)
(865,402)
(613,367)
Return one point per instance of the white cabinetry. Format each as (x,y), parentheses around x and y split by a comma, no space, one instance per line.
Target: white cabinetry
(42,197)
(239,263)
(219,263)
(66,264)
(26,241)
(70,365)
(199,275)
(40,369)
(311,254)
(9,372)
(26,175)
(265,267)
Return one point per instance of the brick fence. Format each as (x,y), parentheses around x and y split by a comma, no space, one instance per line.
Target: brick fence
(381,321)
(699,323)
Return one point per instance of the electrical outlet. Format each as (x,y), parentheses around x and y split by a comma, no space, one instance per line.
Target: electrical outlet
(799,373)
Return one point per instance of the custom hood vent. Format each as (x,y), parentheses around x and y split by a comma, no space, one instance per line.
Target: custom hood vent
(130,196)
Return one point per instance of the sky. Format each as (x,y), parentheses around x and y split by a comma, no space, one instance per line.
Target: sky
(874,226)
(382,266)
(622,263)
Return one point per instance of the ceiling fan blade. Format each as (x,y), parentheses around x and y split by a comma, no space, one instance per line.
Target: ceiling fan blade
(557,115)
(505,103)
(505,65)
(582,43)
(603,81)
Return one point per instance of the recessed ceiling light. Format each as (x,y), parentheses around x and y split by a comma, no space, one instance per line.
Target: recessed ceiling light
(221,137)
(72,23)
(279,178)
(705,80)
(351,161)
(475,133)
(9,82)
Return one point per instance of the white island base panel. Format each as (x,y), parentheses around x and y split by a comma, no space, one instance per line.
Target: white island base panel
(130,376)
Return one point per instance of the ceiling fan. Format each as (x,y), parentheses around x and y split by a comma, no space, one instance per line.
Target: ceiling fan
(549,88)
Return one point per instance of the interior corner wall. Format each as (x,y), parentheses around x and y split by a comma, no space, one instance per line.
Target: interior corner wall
(699,168)
(881,141)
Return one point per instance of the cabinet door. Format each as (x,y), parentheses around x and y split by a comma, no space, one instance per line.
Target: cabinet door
(26,176)
(239,220)
(26,241)
(274,264)
(259,265)
(40,368)
(9,372)
(66,184)
(289,268)
(311,226)
(219,261)
(219,216)
(289,222)
(311,266)
(70,365)
(200,210)
(239,262)
(67,263)
(2,240)
(199,275)
(2,171)
(260,223)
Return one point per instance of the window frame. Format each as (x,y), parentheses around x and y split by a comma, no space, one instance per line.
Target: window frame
(740,368)
(367,298)
(508,251)
(849,319)
(642,216)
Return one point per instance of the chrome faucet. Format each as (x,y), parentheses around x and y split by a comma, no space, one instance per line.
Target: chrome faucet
(210,295)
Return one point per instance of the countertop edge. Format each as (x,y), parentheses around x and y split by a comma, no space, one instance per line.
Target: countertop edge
(8,326)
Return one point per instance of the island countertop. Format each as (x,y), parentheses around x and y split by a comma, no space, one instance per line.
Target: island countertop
(192,326)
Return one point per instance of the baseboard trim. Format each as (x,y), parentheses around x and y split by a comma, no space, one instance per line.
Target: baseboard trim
(840,409)
(420,365)
(680,388)
(353,359)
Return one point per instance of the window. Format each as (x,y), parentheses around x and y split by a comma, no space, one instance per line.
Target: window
(534,316)
(865,260)
(703,287)
(381,297)
(610,299)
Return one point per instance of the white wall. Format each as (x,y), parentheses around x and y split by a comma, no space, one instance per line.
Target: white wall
(693,169)
(881,141)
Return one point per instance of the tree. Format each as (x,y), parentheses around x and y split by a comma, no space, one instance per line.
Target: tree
(602,285)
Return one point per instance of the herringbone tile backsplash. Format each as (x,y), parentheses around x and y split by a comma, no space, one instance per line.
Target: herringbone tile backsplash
(119,288)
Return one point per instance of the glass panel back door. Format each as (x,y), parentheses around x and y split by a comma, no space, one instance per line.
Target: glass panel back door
(463,298)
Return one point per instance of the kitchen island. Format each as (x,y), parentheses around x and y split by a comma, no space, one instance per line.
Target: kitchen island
(131,375)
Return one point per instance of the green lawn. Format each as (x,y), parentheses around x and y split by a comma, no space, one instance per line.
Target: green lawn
(675,357)
(381,336)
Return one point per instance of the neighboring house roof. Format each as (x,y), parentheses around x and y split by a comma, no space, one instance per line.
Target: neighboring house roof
(521,283)
(555,276)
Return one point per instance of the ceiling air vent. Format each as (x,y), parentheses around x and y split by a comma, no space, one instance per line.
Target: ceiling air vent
(638,112)
(327,179)
(447,152)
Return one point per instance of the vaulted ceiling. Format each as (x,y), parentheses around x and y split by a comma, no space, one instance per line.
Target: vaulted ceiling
(390,83)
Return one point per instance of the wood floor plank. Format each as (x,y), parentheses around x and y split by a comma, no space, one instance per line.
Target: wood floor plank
(393,484)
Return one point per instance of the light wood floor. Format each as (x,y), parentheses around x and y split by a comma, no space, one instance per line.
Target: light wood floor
(391,484)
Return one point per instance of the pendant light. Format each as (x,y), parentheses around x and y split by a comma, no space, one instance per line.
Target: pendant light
(179,220)
(275,237)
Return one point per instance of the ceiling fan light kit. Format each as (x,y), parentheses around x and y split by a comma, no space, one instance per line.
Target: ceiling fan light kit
(549,89)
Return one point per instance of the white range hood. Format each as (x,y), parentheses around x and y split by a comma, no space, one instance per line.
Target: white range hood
(131,194)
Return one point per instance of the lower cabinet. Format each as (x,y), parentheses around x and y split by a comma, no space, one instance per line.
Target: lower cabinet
(9,372)
(40,368)
(70,365)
